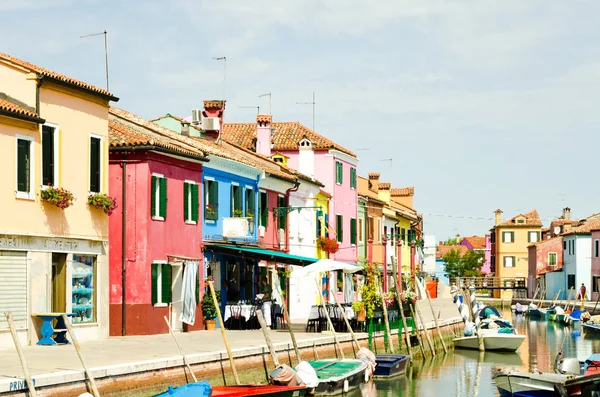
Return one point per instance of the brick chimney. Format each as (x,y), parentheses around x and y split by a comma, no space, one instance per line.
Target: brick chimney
(263,134)
(213,109)
(498,213)
(567,213)
(374,181)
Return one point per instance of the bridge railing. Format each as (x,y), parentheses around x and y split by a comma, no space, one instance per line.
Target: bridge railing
(491,282)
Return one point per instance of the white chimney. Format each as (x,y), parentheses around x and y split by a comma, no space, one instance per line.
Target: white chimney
(307,158)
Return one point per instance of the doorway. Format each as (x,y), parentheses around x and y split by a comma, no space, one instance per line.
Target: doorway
(59,283)
(177,294)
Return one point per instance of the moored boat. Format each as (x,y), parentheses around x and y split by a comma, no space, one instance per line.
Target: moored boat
(204,389)
(389,365)
(591,327)
(338,376)
(493,340)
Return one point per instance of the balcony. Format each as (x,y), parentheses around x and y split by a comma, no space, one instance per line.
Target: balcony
(238,227)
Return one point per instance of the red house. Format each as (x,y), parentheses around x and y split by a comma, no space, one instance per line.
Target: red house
(156,232)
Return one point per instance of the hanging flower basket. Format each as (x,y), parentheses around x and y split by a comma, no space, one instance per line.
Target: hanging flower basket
(60,197)
(328,245)
(102,202)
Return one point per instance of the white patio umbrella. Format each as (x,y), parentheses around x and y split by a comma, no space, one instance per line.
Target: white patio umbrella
(326,265)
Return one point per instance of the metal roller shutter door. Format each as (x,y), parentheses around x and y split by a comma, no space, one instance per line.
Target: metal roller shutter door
(13,287)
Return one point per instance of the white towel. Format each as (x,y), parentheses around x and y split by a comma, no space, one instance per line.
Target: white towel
(190,279)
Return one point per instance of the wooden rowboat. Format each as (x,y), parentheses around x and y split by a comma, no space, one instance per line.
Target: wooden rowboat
(338,376)
(204,389)
(389,365)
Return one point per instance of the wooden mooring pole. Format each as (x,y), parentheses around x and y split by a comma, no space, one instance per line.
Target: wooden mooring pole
(265,330)
(15,337)
(180,350)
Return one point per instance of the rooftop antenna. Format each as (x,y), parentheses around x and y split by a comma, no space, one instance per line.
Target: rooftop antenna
(224,59)
(390,160)
(364,148)
(269,95)
(251,107)
(313,109)
(105,51)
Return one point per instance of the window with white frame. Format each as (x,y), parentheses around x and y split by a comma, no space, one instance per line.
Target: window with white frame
(190,202)
(95,164)
(508,237)
(25,173)
(49,155)
(552,259)
(509,261)
(533,236)
(158,205)
(161,284)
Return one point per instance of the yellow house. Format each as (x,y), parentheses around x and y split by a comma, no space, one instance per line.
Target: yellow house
(510,240)
(53,134)
(322,201)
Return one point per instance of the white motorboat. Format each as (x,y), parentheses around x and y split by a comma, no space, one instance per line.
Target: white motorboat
(493,340)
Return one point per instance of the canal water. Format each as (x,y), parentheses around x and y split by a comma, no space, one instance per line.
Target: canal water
(466,373)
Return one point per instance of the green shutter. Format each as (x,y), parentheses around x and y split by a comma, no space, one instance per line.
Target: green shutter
(283,214)
(163,198)
(154,283)
(213,196)
(264,209)
(353,231)
(353,178)
(153,197)
(197,289)
(339,172)
(194,202)
(166,283)
(339,228)
(186,191)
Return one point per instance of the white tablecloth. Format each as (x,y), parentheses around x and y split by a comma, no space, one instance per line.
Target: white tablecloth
(314,312)
(246,311)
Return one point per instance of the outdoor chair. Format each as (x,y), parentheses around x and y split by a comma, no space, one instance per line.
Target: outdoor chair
(252,322)
(277,316)
(236,318)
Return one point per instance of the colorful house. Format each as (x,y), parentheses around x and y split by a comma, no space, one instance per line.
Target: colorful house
(479,243)
(578,254)
(52,258)
(156,234)
(546,267)
(440,263)
(595,232)
(510,239)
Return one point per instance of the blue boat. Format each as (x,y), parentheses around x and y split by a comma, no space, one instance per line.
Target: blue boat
(204,389)
(389,365)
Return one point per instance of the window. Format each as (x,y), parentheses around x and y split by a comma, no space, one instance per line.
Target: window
(340,281)
(318,223)
(236,201)
(533,237)
(161,284)
(371,228)
(403,235)
(211,200)
(564,245)
(595,280)
(49,155)
(352,231)
(361,237)
(263,209)
(250,206)
(520,220)
(509,261)
(83,288)
(282,218)
(159,197)
(190,202)
(95,164)
(385,232)
(596,248)
(570,281)
(339,227)
(339,173)
(379,230)
(552,259)
(352,178)
(24,167)
(508,237)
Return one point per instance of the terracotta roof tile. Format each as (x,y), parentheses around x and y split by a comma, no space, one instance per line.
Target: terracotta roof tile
(477,242)
(214,104)
(442,250)
(585,228)
(12,110)
(374,175)
(531,219)
(59,77)
(264,118)
(404,191)
(385,186)
(286,136)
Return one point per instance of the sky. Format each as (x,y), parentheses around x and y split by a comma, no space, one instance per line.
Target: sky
(480,104)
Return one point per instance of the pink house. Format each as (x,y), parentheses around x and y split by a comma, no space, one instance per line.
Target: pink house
(478,243)
(304,150)
(157,233)
(595,262)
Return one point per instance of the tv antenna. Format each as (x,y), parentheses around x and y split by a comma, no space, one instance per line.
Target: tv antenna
(251,107)
(105,51)
(313,109)
(269,95)
(390,160)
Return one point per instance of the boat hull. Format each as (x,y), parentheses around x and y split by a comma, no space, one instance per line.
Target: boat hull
(390,365)
(203,389)
(531,384)
(494,342)
(338,376)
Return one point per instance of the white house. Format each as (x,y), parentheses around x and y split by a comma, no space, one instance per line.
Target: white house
(577,246)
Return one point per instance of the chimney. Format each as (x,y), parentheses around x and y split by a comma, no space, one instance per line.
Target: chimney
(185,129)
(212,123)
(567,213)
(306,158)
(263,134)
(498,213)
(374,181)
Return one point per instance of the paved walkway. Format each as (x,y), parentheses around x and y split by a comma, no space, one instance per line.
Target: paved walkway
(121,355)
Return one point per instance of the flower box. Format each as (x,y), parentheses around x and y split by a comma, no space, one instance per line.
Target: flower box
(58,196)
(328,245)
(102,202)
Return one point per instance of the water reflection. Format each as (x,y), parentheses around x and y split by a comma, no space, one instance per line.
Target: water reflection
(469,373)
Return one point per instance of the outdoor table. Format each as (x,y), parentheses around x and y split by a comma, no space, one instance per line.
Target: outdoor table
(246,311)
(53,335)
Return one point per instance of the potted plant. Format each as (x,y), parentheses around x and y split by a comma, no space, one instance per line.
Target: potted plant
(328,245)
(102,202)
(209,310)
(58,196)
(210,212)
(368,291)
(238,213)
(359,309)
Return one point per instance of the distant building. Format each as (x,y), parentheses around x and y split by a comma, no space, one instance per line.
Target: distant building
(478,243)
(440,264)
